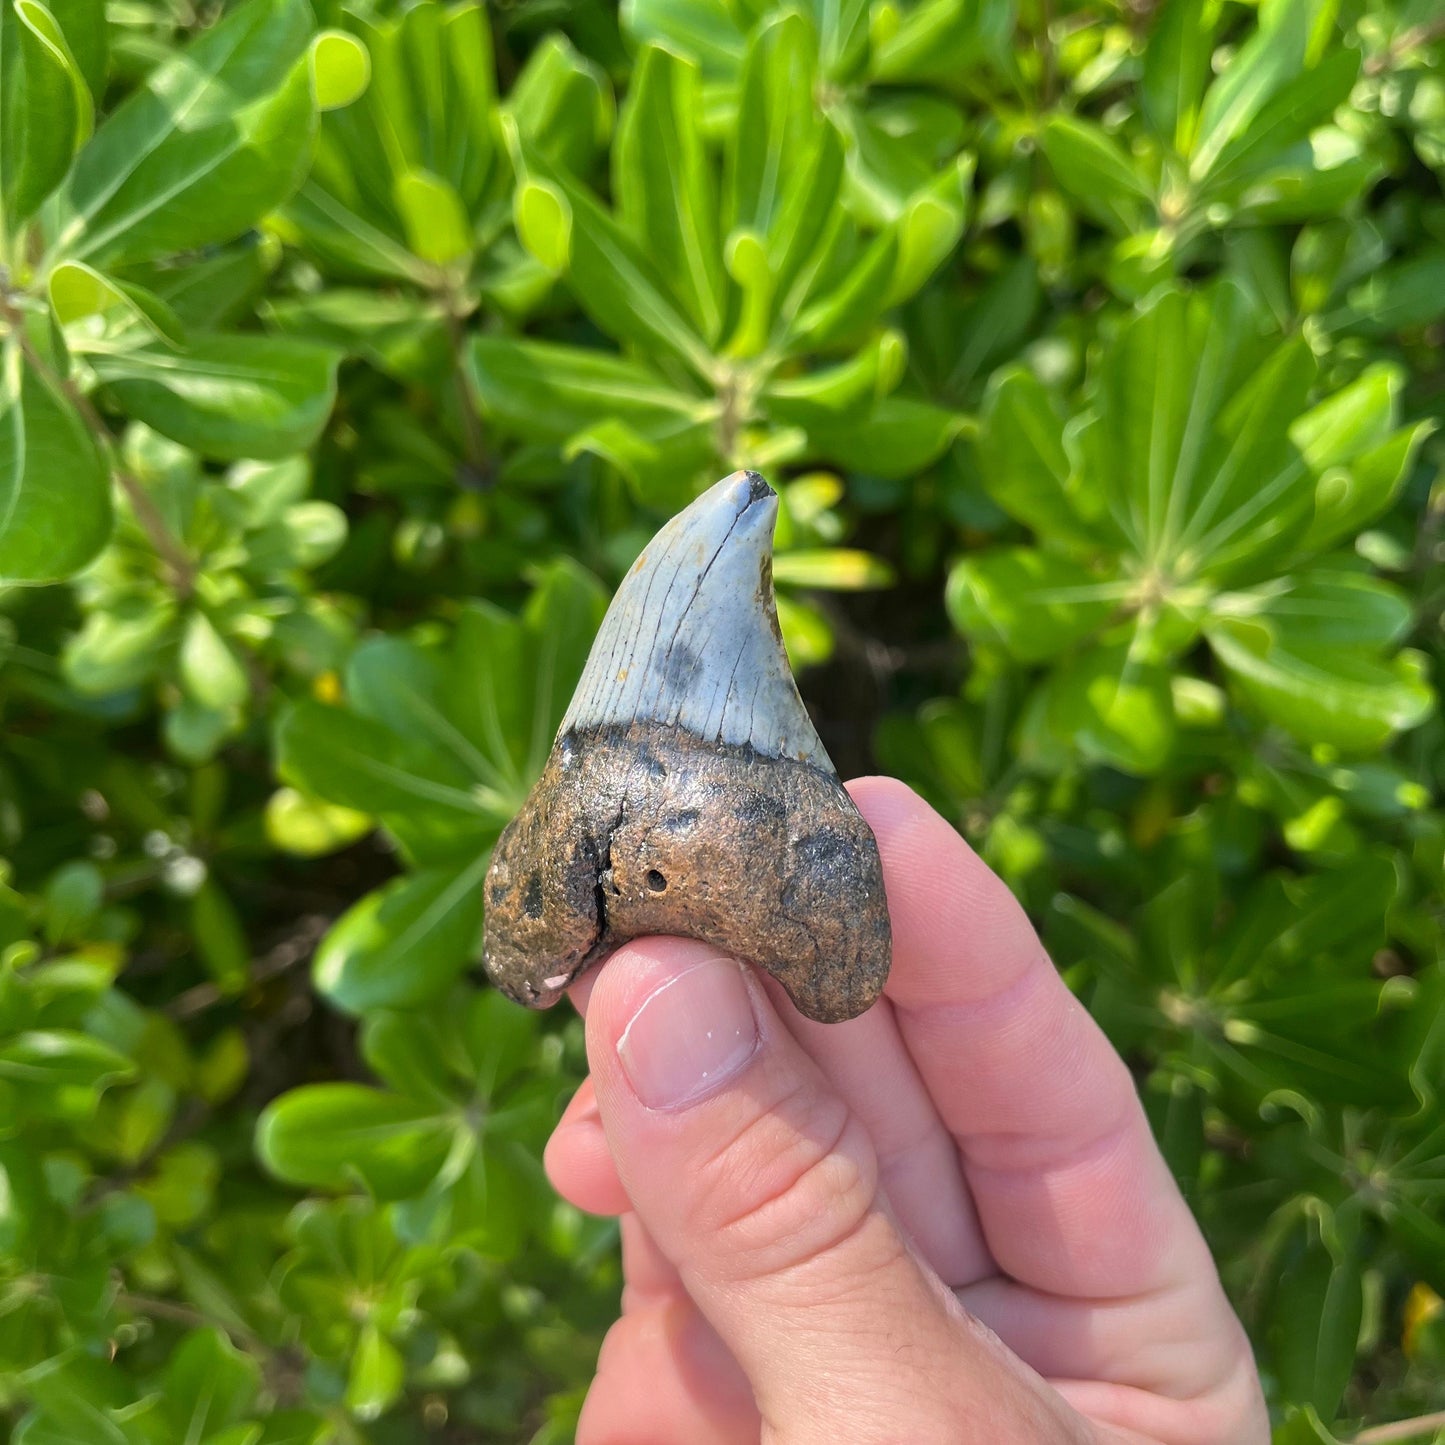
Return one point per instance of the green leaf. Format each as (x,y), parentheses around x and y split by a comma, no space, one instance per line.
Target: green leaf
(73,897)
(501,1042)
(562,104)
(544,224)
(122,646)
(376,1376)
(87,36)
(340,69)
(405,943)
(1314,180)
(1346,498)
(1315,1323)
(1024,463)
(402,335)
(928,229)
(663,184)
(429,106)
(78,1399)
(1033,604)
(194,732)
(212,290)
(220,937)
(436,224)
(1176,69)
(268,492)
(214,139)
(1408,294)
(55,512)
(547,392)
(1302,104)
(1353,420)
(333,1136)
(886,271)
(834,393)
(1105,706)
(404,687)
(419,1052)
(334,754)
(958,345)
(46,110)
(895,437)
(208,1385)
(306,535)
(1191,441)
(846,309)
(1322,607)
(227,396)
(310,828)
(1303,1426)
(61,1058)
(791,206)
(1271,57)
(1095,172)
(511,678)
(665,467)
(209,670)
(1320,692)
(709,31)
(896,146)
(417,150)
(78,292)
(612,278)
(834,569)
(941,40)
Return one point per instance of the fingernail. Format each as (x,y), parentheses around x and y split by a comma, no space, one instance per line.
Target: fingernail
(690,1035)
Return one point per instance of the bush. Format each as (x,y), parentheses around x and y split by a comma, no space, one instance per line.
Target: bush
(348,359)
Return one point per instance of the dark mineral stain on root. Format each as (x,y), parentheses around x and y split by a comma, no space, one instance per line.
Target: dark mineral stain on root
(646,829)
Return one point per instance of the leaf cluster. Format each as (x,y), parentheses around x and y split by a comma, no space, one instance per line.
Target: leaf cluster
(349,352)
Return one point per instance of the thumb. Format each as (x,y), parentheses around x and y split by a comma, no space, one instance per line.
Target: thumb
(754,1179)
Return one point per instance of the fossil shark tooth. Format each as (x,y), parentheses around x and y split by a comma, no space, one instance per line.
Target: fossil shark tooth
(688,792)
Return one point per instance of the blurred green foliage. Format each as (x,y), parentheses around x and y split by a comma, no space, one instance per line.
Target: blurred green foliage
(350,353)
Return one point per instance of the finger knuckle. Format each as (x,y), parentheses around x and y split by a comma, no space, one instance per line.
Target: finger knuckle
(791,1187)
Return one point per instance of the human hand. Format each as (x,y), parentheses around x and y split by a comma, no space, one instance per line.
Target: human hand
(944,1221)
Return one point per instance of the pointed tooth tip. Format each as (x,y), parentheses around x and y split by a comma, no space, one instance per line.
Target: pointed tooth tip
(743,490)
(758,488)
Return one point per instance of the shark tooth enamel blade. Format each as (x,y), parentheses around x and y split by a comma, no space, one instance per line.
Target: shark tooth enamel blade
(688,792)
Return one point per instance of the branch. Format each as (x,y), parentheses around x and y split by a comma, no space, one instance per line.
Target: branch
(1401,1429)
(284,956)
(474,444)
(1406,41)
(281,1367)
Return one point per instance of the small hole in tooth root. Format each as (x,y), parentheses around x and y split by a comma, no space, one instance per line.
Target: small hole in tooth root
(655,880)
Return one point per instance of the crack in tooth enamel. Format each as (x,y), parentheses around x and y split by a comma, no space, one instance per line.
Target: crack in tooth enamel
(703,655)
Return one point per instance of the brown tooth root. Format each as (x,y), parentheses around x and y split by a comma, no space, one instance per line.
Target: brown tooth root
(688,792)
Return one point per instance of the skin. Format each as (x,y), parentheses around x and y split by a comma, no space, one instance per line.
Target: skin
(945,1220)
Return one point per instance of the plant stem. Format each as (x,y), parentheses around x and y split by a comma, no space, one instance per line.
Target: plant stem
(473,442)
(161,1309)
(1049,81)
(167,545)
(282,1367)
(1401,1429)
(1407,40)
(199,997)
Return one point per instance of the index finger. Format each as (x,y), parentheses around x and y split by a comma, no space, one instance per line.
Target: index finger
(1071,1190)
